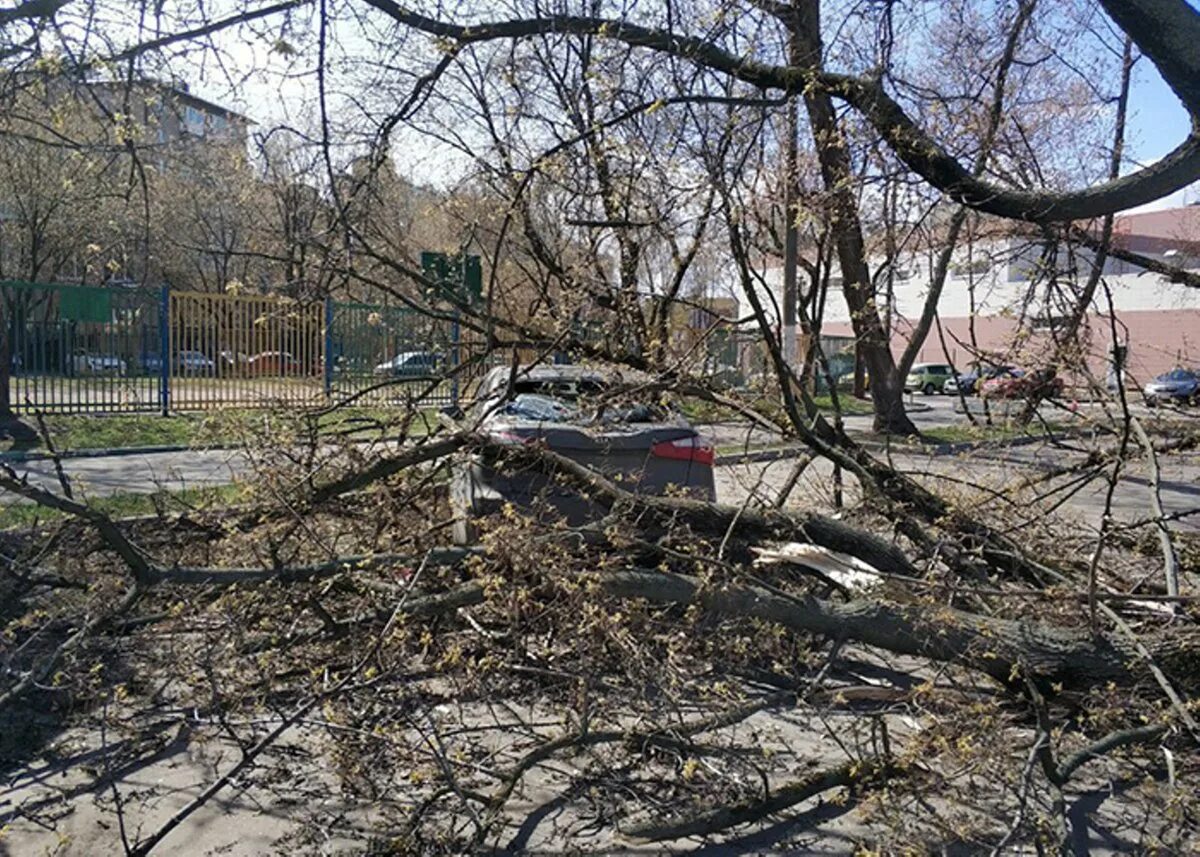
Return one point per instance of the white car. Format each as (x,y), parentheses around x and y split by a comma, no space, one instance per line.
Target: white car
(410,364)
(87,363)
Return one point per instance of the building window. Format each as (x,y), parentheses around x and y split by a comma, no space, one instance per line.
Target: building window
(974,266)
(193,121)
(1054,322)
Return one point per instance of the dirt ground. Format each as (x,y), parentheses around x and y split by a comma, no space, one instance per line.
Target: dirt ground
(71,788)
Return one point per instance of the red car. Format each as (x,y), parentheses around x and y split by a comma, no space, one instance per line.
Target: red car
(1016,384)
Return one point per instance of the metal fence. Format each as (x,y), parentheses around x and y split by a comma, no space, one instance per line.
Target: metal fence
(79,349)
(392,355)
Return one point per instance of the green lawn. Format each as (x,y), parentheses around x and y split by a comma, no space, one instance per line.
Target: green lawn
(707,412)
(128,505)
(221,427)
(966,433)
(847,403)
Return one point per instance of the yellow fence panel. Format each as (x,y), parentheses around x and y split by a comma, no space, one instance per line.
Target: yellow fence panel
(244,350)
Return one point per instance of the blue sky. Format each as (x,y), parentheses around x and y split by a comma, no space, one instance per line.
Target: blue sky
(1159,121)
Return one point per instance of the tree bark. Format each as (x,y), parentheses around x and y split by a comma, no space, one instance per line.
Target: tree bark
(1005,649)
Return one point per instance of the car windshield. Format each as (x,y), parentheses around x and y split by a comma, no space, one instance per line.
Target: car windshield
(566,389)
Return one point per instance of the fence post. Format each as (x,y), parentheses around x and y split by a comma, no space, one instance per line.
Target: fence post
(329,356)
(454,359)
(164,349)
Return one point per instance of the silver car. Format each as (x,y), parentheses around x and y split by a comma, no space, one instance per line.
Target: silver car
(643,447)
(410,364)
(1178,385)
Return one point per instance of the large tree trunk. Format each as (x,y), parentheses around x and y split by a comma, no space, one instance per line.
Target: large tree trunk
(1007,650)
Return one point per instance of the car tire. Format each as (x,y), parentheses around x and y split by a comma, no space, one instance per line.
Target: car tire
(929,389)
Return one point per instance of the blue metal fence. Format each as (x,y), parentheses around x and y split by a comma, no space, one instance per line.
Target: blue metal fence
(78,349)
(391,355)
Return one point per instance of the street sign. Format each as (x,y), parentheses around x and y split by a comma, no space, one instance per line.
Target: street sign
(459,277)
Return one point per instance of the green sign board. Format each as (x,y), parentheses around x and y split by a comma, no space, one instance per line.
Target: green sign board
(458,276)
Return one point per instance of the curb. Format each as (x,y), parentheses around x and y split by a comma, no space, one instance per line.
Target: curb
(114,452)
(755,456)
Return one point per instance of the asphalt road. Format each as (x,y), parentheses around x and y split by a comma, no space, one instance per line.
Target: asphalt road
(954,474)
(991,468)
(141,472)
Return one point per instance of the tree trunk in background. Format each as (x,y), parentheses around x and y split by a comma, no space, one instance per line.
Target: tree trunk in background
(887,388)
(791,242)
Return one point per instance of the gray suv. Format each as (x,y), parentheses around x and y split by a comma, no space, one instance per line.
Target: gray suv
(576,412)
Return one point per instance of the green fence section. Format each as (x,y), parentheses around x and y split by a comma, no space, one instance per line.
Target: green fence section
(391,354)
(71,348)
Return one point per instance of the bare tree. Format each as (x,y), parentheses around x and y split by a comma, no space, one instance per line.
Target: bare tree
(952,652)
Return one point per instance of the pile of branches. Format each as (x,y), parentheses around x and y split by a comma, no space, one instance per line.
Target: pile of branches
(646,677)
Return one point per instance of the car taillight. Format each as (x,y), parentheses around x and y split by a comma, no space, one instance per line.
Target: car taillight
(695,449)
(508,438)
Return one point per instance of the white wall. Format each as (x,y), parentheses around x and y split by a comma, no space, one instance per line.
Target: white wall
(1004,287)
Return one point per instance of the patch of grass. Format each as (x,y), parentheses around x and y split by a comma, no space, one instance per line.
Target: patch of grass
(706,412)
(221,427)
(119,430)
(128,505)
(967,433)
(848,404)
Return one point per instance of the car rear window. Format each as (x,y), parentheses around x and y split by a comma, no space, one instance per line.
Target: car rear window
(547,409)
(580,402)
(568,389)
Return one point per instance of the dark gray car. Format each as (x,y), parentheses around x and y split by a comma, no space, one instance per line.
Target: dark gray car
(642,446)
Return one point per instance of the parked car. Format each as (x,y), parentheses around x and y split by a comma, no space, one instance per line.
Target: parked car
(273,363)
(1178,386)
(90,363)
(968,383)
(233,363)
(642,445)
(1017,384)
(929,378)
(410,364)
(194,363)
